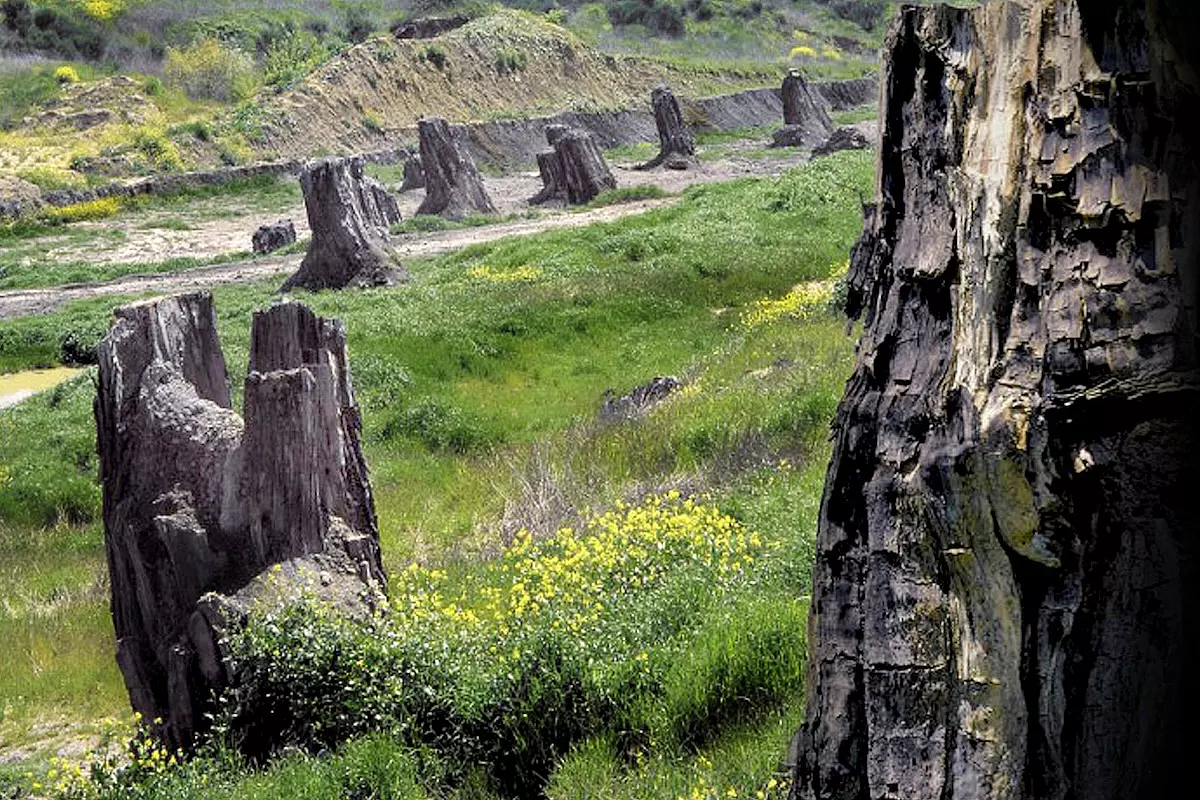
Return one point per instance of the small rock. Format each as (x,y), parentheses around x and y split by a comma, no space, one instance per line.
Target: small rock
(843,139)
(270,238)
(641,398)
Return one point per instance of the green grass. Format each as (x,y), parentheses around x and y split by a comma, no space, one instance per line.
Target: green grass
(480,383)
(625,194)
(852,115)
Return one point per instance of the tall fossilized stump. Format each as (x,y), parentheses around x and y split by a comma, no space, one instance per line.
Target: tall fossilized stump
(349,214)
(453,187)
(199,502)
(575,170)
(806,123)
(1007,551)
(677,146)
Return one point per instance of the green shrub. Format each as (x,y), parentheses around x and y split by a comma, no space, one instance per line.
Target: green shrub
(291,58)
(60,28)
(66,74)
(158,149)
(510,60)
(208,69)
(434,54)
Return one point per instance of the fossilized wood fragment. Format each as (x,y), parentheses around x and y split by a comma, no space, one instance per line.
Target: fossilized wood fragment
(453,186)
(272,237)
(1003,595)
(349,215)
(677,146)
(575,170)
(414,174)
(197,503)
(806,123)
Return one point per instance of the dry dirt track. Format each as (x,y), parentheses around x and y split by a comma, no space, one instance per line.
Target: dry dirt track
(26,302)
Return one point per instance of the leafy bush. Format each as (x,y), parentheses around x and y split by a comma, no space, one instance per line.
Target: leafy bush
(208,69)
(657,15)
(63,29)
(510,60)
(290,58)
(358,23)
(434,54)
(158,149)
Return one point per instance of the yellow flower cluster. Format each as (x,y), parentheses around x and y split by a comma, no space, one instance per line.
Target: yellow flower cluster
(802,50)
(102,9)
(568,580)
(703,789)
(799,304)
(525,273)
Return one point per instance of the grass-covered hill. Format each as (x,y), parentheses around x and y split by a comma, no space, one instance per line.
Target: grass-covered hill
(574,626)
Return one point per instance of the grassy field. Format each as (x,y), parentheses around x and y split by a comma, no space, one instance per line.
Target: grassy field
(480,383)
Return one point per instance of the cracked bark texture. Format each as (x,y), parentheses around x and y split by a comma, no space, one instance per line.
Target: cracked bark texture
(1003,594)
(453,186)
(575,170)
(198,502)
(349,215)
(677,146)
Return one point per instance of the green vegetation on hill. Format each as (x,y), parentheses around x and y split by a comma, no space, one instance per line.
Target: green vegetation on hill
(480,384)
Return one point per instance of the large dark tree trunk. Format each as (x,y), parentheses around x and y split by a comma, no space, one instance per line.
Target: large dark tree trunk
(453,186)
(677,146)
(197,503)
(575,170)
(349,215)
(1003,595)
(806,123)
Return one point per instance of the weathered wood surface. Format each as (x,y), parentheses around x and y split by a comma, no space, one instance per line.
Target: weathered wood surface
(806,123)
(677,146)
(575,170)
(453,186)
(1004,589)
(349,215)
(199,503)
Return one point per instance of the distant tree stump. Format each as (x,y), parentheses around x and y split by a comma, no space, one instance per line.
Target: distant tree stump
(574,170)
(806,123)
(677,146)
(199,503)
(349,216)
(453,186)
(414,174)
(842,139)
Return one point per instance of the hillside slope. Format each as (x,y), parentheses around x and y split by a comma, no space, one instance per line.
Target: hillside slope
(506,65)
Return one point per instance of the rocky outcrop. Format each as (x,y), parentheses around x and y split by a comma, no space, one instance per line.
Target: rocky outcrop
(806,123)
(199,502)
(844,138)
(453,185)
(676,145)
(272,237)
(1003,595)
(640,399)
(349,215)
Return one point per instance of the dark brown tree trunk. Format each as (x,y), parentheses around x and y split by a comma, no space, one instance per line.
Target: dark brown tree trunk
(575,170)
(677,147)
(197,503)
(806,123)
(453,186)
(1003,595)
(349,215)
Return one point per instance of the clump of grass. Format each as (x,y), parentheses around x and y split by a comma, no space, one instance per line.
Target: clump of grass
(626,194)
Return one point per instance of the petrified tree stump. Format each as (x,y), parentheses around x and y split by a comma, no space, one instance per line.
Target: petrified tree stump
(414,175)
(1005,583)
(349,215)
(198,502)
(806,123)
(677,147)
(575,170)
(453,186)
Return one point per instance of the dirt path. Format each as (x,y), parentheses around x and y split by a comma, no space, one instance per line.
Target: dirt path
(25,302)
(232,235)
